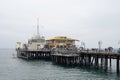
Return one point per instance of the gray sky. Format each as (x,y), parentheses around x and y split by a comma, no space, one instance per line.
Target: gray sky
(85,20)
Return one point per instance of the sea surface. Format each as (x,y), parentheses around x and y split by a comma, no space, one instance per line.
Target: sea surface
(13,68)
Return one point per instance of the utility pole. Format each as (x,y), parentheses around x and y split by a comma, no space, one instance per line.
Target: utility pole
(37,26)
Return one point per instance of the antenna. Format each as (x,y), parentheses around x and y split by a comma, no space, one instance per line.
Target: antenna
(37,26)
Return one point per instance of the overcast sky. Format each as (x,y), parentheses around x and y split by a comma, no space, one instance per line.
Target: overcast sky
(86,20)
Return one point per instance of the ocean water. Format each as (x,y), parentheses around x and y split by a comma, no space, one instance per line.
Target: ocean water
(13,68)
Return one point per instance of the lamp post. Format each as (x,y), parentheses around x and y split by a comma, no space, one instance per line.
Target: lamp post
(119,43)
(118,47)
(83,44)
(99,45)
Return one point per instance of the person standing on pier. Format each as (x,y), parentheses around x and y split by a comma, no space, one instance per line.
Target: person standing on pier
(110,49)
(53,50)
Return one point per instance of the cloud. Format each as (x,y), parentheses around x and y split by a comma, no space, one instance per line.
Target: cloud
(86,20)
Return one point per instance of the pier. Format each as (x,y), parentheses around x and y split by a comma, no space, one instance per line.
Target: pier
(94,59)
(97,60)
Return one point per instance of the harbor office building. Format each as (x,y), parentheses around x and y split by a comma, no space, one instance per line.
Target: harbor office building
(60,42)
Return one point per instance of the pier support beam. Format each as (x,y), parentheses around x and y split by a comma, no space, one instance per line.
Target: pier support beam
(101,61)
(110,61)
(96,61)
(117,65)
(106,63)
(89,60)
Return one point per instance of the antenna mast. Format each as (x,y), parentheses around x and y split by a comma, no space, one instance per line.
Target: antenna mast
(37,26)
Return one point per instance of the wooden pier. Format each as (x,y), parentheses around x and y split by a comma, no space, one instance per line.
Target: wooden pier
(89,59)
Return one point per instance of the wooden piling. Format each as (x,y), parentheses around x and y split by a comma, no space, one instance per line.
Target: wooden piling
(106,63)
(89,60)
(96,61)
(117,65)
(101,61)
(110,61)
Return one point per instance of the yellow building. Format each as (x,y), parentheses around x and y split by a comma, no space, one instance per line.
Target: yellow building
(60,42)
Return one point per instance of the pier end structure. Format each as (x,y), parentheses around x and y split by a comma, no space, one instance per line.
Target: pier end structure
(33,54)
